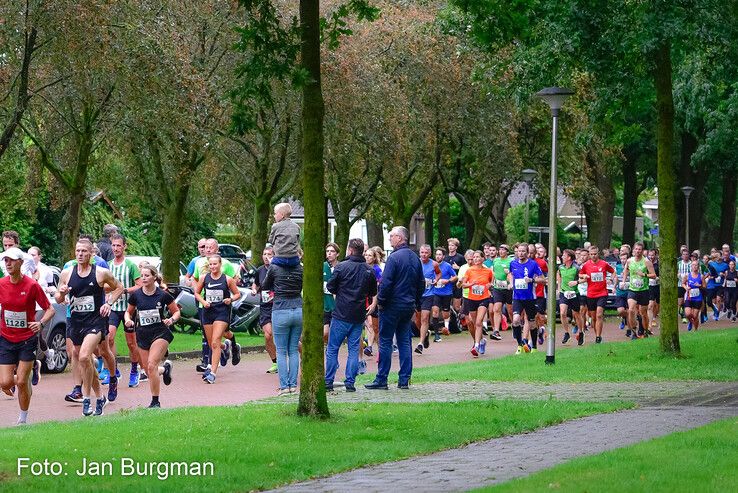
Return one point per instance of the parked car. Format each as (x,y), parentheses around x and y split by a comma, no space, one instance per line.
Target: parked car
(234,253)
(244,315)
(55,334)
(241,260)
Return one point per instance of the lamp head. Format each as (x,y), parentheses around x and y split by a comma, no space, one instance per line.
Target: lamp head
(529,175)
(554,97)
(687,191)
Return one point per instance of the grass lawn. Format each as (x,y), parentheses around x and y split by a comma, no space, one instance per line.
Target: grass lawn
(703,459)
(189,342)
(257,446)
(706,355)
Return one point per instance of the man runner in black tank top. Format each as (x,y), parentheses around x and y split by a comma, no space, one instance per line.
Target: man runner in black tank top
(85,284)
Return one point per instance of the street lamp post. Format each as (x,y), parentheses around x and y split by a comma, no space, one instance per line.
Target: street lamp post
(528,176)
(554,97)
(687,192)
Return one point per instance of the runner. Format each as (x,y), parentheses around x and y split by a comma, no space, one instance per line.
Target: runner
(501,292)
(265,307)
(220,292)
(567,276)
(683,267)
(373,257)
(636,271)
(693,284)
(86,283)
(582,257)
(464,319)
(19,329)
(45,278)
(431,273)
(717,268)
(329,301)
(523,273)
(540,258)
(195,260)
(478,280)
(731,291)
(153,333)
(593,272)
(456,260)
(654,288)
(11,239)
(621,295)
(127,274)
(442,294)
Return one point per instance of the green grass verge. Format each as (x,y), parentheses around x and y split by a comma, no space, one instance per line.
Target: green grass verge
(703,459)
(706,355)
(188,342)
(256,446)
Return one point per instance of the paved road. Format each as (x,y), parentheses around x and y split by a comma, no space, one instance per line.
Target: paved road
(235,385)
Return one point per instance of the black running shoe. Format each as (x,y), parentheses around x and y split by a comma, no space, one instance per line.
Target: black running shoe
(496,335)
(580,338)
(167,375)
(419,349)
(236,356)
(566,338)
(426,340)
(598,340)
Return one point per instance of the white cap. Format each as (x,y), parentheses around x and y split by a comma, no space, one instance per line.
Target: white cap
(13,253)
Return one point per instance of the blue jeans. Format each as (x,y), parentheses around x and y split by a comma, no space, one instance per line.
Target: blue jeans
(341,330)
(395,322)
(287,328)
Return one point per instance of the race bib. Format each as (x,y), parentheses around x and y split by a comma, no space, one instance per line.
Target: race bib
(149,317)
(521,284)
(428,283)
(83,304)
(570,295)
(694,292)
(636,283)
(16,320)
(213,295)
(267,296)
(718,280)
(597,277)
(653,282)
(477,290)
(729,284)
(501,284)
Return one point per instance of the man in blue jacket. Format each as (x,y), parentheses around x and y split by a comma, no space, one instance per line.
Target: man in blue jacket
(399,296)
(352,282)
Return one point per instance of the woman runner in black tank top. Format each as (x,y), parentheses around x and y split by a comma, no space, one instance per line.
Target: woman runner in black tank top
(216,292)
(153,334)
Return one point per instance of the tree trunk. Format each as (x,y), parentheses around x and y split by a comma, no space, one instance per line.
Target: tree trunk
(71,223)
(697,178)
(259,231)
(630,199)
(669,337)
(428,225)
(374,234)
(607,210)
(343,229)
(444,220)
(727,208)
(171,234)
(313,400)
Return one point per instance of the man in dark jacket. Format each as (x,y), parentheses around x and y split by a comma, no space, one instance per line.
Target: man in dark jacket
(103,244)
(352,282)
(399,296)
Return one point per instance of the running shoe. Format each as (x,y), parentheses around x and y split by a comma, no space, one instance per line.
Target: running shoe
(367,352)
(104,376)
(100,405)
(36,376)
(74,396)
(419,349)
(496,336)
(684,320)
(236,356)
(142,376)
(689,327)
(362,367)
(86,407)
(350,387)
(622,324)
(640,333)
(225,353)
(575,330)
(50,362)
(482,345)
(598,340)
(475,351)
(437,337)
(734,318)
(154,405)
(113,389)
(273,369)
(566,338)
(209,378)
(519,350)
(426,340)
(99,365)
(117,372)
(534,350)
(634,337)
(628,332)
(715,314)
(580,338)
(540,336)
(166,377)
(206,372)
(133,379)
(526,348)
(201,367)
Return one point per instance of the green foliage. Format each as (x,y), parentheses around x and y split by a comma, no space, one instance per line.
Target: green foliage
(332,28)
(515,221)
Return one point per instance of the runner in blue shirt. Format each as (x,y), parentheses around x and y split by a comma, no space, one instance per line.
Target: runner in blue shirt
(442,294)
(431,273)
(523,274)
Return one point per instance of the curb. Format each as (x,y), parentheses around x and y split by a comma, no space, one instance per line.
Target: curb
(196,354)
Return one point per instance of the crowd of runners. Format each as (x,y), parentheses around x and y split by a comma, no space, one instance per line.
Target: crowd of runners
(371,302)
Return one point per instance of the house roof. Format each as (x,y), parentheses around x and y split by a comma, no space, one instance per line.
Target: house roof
(517,196)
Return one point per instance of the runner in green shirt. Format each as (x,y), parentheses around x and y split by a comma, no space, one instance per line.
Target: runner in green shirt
(636,273)
(567,276)
(501,292)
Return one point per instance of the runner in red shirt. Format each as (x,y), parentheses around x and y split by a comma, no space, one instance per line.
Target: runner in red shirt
(594,273)
(541,292)
(19,329)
